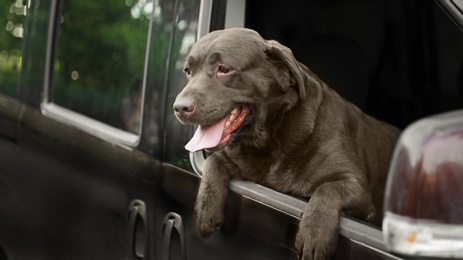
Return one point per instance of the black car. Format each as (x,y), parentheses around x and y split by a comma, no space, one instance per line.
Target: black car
(92,159)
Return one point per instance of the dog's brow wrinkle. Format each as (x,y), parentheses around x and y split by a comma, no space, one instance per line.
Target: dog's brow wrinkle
(191,61)
(215,57)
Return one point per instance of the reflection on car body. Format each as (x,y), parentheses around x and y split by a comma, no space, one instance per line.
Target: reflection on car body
(78,183)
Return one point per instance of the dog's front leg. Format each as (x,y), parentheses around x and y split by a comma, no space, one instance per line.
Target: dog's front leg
(210,201)
(317,236)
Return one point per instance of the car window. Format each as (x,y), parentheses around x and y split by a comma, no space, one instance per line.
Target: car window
(99,60)
(13,17)
(185,35)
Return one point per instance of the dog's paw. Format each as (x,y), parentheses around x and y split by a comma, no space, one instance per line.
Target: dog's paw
(209,218)
(317,237)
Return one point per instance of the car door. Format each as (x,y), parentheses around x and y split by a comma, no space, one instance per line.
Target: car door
(76,185)
(10,107)
(10,62)
(95,166)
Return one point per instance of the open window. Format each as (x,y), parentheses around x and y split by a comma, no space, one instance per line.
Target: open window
(374,53)
(253,14)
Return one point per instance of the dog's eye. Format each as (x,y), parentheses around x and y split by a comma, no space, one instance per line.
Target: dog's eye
(187,71)
(223,69)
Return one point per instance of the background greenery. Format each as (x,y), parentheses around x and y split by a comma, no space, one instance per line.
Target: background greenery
(12,20)
(100,54)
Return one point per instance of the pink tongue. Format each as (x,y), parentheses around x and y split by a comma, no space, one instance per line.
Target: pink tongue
(206,137)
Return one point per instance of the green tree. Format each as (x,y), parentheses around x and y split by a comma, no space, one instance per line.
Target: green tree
(100,54)
(12,20)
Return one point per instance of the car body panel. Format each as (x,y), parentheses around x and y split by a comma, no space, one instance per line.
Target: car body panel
(75,187)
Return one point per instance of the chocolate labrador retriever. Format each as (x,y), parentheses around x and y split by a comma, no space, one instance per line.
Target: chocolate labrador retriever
(268,119)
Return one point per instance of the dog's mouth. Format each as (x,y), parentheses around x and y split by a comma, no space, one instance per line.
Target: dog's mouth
(216,136)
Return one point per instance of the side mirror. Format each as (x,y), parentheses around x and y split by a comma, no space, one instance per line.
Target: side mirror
(454,9)
(424,192)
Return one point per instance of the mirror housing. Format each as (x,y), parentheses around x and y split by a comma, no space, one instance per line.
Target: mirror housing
(454,9)
(423,210)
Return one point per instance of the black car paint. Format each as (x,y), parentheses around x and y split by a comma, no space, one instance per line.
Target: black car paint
(68,194)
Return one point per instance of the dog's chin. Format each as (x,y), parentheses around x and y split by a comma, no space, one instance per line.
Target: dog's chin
(217,148)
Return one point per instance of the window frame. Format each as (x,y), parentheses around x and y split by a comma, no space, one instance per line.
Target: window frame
(355,230)
(81,121)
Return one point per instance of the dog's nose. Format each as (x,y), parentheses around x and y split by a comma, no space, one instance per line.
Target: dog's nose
(184,106)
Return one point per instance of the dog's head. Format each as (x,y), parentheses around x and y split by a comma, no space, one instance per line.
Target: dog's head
(239,87)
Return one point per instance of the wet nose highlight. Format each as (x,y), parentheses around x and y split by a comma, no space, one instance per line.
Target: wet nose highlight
(184,106)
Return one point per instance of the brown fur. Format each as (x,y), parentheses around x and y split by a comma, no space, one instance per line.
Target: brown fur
(304,139)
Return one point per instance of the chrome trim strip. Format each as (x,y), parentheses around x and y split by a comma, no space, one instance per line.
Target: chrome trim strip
(197,162)
(454,9)
(48,57)
(204,19)
(145,77)
(235,13)
(355,230)
(360,232)
(89,125)
(283,202)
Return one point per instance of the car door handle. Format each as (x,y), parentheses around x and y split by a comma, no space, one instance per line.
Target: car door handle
(172,223)
(137,230)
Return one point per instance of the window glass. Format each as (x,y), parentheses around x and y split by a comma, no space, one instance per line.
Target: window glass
(184,37)
(100,57)
(164,18)
(13,17)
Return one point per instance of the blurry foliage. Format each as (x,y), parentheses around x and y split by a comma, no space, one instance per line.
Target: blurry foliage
(12,19)
(99,58)
(100,54)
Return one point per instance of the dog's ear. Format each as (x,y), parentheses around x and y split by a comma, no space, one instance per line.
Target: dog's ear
(283,54)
